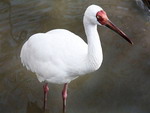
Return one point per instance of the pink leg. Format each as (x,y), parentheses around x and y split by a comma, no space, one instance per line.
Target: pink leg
(46,89)
(64,96)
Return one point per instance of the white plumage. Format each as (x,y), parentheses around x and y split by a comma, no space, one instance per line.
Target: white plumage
(59,56)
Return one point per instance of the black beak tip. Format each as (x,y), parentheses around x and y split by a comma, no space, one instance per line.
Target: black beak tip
(131,42)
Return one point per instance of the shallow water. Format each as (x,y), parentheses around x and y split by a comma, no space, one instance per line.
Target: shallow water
(121,85)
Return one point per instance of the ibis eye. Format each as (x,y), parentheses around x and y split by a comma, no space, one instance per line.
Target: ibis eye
(97,16)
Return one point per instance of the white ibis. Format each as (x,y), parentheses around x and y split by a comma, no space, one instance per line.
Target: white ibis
(60,56)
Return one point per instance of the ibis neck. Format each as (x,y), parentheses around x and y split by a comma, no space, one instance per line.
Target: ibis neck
(94,45)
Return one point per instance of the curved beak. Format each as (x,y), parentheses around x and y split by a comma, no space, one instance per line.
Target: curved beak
(110,25)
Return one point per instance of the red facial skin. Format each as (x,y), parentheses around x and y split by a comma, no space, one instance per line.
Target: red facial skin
(102,17)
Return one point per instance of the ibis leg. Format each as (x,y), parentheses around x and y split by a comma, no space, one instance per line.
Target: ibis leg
(64,96)
(46,89)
